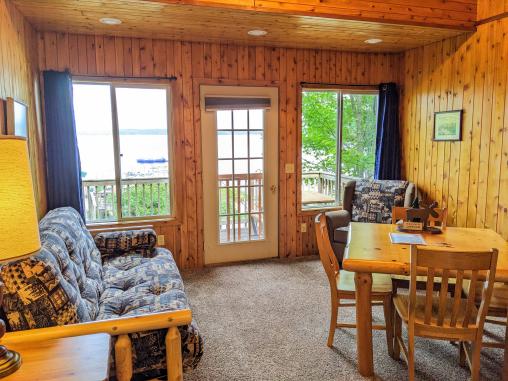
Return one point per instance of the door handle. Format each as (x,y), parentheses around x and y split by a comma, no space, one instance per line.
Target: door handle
(273,188)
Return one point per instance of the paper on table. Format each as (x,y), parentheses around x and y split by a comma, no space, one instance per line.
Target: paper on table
(407,239)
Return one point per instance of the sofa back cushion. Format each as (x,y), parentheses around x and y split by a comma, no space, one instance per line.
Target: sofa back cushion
(373,200)
(59,285)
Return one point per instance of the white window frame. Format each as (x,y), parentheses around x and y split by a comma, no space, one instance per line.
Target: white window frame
(140,84)
(340,91)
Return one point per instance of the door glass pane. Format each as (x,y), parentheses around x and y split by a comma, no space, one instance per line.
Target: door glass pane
(224,144)
(256,143)
(92,111)
(240,180)
(143,137)
(319,148)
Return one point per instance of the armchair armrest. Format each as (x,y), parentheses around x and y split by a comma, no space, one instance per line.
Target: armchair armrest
(337,219)
(121,242)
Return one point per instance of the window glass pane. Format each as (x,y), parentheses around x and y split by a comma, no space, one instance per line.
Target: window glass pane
(320,112)
(359,114)
(143,137)
(92,110)
(319,148)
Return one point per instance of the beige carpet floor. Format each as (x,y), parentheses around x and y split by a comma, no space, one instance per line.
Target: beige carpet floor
(268,321)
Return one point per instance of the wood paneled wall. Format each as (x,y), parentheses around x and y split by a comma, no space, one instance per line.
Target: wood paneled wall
(470,177)
(19,80)
(193,63)
(491,8)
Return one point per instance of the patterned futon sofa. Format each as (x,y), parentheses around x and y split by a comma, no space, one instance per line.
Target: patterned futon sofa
(76,279)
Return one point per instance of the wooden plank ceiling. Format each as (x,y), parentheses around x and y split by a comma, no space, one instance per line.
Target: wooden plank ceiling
(288,23)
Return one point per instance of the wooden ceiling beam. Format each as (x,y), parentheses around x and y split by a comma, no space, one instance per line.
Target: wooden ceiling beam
(453,14)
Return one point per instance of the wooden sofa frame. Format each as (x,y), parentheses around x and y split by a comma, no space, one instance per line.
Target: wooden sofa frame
(121,327)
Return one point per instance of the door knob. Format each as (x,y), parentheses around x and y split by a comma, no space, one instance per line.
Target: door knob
(273,188)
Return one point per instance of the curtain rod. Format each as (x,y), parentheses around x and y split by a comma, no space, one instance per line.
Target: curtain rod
(335,84)
(172,78)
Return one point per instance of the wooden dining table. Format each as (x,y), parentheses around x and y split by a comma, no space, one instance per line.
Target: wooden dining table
(369,250)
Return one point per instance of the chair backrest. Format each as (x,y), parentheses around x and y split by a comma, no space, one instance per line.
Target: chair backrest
(399,213)
(458,265)
(326,254)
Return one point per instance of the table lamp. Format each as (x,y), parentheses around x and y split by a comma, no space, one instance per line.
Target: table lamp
(19,231)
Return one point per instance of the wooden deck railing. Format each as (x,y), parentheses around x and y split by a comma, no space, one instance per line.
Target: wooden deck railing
(319,187)
(150,197)
(240,206)
(140,197)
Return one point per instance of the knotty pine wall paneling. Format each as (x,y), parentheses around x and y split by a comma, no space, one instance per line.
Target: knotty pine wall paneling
(19,80)
(193,63)
(470,177)
(491,8)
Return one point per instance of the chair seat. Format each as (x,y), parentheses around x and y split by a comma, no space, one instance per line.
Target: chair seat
(381,283)
(401,303)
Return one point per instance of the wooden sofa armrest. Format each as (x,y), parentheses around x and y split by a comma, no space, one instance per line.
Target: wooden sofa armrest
(121,327)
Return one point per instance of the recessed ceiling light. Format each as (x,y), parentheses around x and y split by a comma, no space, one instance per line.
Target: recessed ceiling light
(373,41)
(110,21)
(257,32)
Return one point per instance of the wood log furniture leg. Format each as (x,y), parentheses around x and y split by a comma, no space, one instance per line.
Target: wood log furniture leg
(174,354)
(123,358)
(363,282)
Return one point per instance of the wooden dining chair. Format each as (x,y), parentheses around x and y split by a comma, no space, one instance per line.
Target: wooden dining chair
(498,308)
(342,287)
(439,316)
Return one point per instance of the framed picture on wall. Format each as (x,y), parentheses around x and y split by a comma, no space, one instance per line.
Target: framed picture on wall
(448,125)
(17,118)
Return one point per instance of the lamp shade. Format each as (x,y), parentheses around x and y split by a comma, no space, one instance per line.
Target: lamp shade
(19,230)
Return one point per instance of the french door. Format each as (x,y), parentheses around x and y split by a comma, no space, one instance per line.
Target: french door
(240,172)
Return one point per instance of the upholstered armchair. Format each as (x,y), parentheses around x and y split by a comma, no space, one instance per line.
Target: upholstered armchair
(367,201)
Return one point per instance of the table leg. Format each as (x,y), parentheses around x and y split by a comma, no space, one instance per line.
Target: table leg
(363,282)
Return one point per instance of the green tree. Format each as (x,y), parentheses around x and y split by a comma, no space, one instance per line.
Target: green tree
(319,132)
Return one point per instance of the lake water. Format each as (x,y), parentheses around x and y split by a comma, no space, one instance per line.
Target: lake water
(97,157)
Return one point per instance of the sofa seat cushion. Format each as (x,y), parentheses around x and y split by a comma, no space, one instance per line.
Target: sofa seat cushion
(136,285)
(341,234)
(373,200)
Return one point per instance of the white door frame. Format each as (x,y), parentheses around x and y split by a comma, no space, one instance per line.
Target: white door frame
(214,252)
